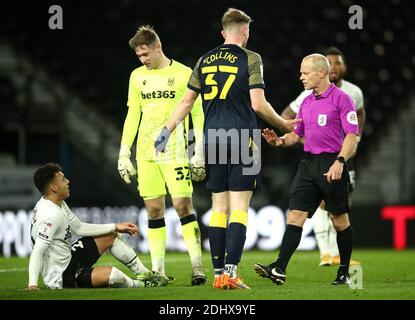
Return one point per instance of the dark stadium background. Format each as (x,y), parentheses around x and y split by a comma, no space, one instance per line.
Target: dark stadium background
(49,77)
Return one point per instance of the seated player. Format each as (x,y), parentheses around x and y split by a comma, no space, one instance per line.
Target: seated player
(66,266)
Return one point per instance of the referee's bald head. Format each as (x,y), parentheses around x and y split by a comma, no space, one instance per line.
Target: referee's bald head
(319,62)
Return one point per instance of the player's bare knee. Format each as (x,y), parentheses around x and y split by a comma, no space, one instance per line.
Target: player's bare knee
(183,208)
(105,241)
(155,212)
(296,218)
(340,222)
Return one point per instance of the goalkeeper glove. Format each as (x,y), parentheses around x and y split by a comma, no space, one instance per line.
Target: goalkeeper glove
(125,167)
(197,164)
(161,141)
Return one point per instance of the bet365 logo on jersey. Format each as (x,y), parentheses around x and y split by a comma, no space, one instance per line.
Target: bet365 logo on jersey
(167,94)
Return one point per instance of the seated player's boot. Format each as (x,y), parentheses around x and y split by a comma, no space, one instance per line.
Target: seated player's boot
(326,260)
(229,283)
(217,282)
(342,278)
(144,276)
(336,261)
(198,277)
(272,272)
(156,280)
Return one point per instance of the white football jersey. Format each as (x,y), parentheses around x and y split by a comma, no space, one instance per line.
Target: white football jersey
(51,224)
(351,89)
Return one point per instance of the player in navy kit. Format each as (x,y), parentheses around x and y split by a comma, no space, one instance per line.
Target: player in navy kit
(230,80)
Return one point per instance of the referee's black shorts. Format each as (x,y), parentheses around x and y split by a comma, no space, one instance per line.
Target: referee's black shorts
(310,186)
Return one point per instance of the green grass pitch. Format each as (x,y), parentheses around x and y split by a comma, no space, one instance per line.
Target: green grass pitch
(387,274)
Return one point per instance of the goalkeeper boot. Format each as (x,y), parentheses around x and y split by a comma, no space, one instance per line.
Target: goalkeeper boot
(198,277)
(158,275)
(342,278)
(272,272)
(171,279)
(157,280)
(233,283)
(144,276)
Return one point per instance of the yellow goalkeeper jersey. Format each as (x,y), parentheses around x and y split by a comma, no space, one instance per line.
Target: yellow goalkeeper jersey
(155,93)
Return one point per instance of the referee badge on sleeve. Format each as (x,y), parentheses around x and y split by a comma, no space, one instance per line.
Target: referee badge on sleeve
(322,120)
(352,117)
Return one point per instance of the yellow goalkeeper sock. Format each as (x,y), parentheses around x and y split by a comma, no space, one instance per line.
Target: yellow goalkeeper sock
(157,244)
(191,236)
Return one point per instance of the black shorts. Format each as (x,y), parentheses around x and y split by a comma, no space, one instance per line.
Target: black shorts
(228,173)
(84,255)
(310,186)
(352,175)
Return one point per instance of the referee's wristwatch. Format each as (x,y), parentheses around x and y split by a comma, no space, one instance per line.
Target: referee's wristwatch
(341,160)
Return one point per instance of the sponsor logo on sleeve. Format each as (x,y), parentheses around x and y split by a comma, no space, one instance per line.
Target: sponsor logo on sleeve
(352,117)
(46,227)
(44,230)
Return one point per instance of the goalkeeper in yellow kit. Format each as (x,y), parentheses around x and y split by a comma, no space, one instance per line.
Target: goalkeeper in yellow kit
(154,90)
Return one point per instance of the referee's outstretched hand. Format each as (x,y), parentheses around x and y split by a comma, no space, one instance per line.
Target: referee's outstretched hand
(271,137)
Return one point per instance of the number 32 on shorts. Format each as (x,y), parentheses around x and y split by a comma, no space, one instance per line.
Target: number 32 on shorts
(182,173)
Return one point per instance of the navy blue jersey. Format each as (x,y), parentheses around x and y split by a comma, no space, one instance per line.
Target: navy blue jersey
(223,77)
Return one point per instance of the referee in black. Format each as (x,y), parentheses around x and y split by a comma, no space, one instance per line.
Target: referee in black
(330,130)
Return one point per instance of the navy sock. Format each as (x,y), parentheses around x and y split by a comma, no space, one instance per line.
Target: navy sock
(235,242)
(217,241)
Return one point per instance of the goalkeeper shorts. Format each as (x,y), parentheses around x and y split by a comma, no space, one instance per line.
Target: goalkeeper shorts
(153,176)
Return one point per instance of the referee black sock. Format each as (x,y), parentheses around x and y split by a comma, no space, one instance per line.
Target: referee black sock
(345,244)
(290,242)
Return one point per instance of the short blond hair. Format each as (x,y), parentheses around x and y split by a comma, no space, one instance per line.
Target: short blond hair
(319,62)
(145,35)
(234,17)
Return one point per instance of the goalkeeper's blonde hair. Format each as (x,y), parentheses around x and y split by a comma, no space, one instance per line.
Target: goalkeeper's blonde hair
(145,35)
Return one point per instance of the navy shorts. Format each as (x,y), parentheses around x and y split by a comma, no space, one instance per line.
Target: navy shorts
(310,186)
(227,171)
(84,255)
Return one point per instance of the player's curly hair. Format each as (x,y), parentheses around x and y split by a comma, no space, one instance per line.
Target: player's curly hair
(44,175)
(234,16)
(145,35)
(335,52)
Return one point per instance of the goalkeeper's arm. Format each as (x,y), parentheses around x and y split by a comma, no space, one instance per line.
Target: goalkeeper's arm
(125,167)
(197,161)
